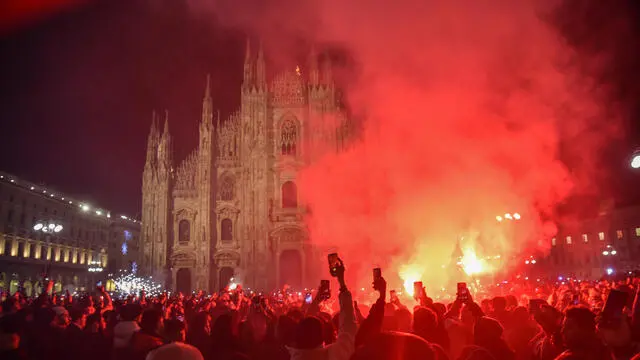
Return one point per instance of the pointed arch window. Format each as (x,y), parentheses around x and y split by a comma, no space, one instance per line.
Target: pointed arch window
(289,195)
(288,137)
(226,230)
(226,188)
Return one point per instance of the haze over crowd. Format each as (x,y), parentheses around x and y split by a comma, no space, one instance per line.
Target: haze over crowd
(466,108)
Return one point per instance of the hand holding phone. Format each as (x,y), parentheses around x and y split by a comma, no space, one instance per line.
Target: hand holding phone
(378,282)
(535,305)
(393,297)
(335,264)
(463,293)
(324,292)
(418,290)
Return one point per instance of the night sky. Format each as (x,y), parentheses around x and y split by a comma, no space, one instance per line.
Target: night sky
(78,88)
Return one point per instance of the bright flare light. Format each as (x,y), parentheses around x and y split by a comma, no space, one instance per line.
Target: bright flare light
(516,216)
(471,264)
(635,161)
(38,226)
(410,274)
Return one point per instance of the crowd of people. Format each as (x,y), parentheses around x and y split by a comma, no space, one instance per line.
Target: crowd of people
(569,320)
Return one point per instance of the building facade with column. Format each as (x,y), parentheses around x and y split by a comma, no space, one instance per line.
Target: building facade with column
(89,238)
(231,210)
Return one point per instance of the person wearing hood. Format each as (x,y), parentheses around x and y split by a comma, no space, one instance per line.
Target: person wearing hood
(309,344)
(487,334)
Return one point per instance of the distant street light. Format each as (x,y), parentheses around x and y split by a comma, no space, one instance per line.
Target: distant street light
(47,227)
(509,216)
(635,160)
(609,251)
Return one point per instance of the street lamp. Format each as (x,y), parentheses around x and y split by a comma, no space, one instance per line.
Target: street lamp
(509,216)
(95,266)
(635,160)
(49,228)
(609,251)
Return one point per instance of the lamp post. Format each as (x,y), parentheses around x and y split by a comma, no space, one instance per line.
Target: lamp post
(49,228)
(635,160)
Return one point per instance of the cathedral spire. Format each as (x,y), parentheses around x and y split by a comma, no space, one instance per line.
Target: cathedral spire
(165,132)
(165,150)
(248,66)
(152,140)
(207,90)
(327,72)
(261,76)
(314,74)
(247,51)
(207,104)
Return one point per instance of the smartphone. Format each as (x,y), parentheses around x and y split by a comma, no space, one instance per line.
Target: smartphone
(463,292)
(377,274)
(180,318)
(99,283)
(308,298)
(417,289)
(535,305)
(334,262)
(325,290)
(616,301)
(393,296)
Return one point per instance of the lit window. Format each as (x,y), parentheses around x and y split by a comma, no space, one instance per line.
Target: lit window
(585,238)
(619,234)
(601,235)
(569,240)
(553,241)
(638,231)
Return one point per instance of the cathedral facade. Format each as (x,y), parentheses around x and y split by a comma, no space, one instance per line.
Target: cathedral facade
(230,212)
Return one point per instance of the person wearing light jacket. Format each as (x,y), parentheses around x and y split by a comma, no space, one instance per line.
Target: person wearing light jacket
(309,343)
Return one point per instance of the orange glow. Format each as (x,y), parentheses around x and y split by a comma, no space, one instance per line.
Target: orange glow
(472,265)
(410,274)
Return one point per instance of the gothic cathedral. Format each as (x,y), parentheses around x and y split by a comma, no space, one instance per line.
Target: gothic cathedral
(230,211)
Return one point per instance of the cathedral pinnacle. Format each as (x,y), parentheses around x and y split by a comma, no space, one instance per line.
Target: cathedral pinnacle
(166,123)
(313,66)
(247,54)
(249,75)
(327,72)
(207,90)
(261,74)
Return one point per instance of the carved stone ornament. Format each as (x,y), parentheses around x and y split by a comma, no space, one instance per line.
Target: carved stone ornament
(227,212)
(186,174)
(288,89)
(230,259)
(183,260)
(228,138)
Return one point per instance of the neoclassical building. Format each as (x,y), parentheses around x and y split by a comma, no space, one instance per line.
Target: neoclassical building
(231,208)
(89,238)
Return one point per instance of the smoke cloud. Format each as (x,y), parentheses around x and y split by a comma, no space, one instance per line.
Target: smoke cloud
(466,109)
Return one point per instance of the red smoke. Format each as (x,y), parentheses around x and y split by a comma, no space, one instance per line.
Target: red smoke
(465,106)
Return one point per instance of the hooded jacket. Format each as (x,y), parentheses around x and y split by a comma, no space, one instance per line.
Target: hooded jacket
(343,347)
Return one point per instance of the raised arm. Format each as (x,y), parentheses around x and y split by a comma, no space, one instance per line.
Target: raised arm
(373,323)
